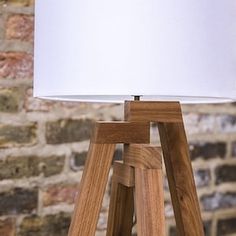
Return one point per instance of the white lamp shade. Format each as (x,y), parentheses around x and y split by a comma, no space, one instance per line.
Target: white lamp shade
(98,50)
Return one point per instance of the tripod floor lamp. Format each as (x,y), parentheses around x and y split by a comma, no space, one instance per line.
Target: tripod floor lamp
(159,52)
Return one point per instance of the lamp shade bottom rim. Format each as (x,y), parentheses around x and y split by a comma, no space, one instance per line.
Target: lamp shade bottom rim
(122,98)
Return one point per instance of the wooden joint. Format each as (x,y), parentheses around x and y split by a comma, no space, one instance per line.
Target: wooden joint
(121,132)
(123,174)
(151,111)
(143,156)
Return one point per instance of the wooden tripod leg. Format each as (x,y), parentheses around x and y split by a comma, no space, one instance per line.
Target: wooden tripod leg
(121,209)
(180,178)
(91,190)
(147,161)
(149,202)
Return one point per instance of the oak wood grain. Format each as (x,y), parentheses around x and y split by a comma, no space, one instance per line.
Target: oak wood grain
(180,178)
(144,156)
(121,209)
(123,174)
(149,200)
(151,111)
(91,190)
(121,132)
(168,116)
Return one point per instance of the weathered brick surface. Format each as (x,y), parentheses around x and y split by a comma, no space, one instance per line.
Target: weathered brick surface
(225,173)
(18,3)
(208,123)
(77,160)
(226,227)
(2,23)
(10,100)
(17,135)
(18,201)
(226,123)
(66,131)
(233,151)
(199,123)
(26,166)
(218,200)
(8,227)
(49,225)
(36,104)
(16,65)
(208,150)
(60,193)
(169,211)
(20,27)
(202,177)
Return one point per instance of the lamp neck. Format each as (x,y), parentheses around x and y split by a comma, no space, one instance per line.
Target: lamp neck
(136,97)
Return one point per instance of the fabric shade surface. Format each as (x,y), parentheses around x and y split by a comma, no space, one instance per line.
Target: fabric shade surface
(109,50)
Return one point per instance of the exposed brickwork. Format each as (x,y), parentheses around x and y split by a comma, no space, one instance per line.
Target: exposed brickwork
(18,201)
(60,193)
(17,135)
(66,131)
(15,167)
(226,123)
(226,227)
(10,100)
(20,27)
(35,104)
(78,160)
(218,201)
(18,3)
(199,123)
(8,227)
(225,173)
(44,146)
(202,177)
(208,150)
(233,151)
(16,65)
(47,225)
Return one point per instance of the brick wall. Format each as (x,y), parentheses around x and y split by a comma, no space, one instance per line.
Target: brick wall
(43,146)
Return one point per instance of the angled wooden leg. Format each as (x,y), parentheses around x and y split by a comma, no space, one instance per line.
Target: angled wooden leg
(168,115)
(95,175)
(91,190)
(180,178)
(121,209)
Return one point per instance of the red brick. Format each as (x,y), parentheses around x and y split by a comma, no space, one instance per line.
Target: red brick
(7,227)
(16,65)
(20,27)
(59,194)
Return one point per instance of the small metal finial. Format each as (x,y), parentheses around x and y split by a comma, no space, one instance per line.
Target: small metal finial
(136,97)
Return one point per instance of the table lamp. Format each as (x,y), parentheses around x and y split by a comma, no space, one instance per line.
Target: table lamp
(158,53)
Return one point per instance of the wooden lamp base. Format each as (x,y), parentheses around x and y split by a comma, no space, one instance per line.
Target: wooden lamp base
(139,176)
